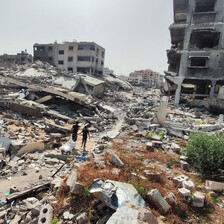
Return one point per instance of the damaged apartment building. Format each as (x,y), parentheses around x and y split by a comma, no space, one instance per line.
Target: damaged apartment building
(77,57)
(196,56)
(22,58)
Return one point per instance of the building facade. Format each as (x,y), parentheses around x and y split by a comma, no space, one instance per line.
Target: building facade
(145,78)
(18,59)
(77,57)
(107,71)
(197,52)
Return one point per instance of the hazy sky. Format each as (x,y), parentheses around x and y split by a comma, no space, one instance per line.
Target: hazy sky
(134,32)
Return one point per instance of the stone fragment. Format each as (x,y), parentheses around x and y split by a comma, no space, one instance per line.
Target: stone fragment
(67,215)
(198,199)
(156,198)
(149,146)
(184,193)
(135,176)
(56,183)
(152,176)
(115,160)
(171,199)
(77,189)
(82,218)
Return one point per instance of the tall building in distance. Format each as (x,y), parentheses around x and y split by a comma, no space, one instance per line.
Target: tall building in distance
(22,58)
(146,78)
(77,57)
(196,56)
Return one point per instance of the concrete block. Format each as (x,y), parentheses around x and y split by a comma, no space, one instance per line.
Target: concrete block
(178,181)
(149,146)
(157,144)
(189,185)
(46,213)
(198,200)
(56,183)
(156,198)
(184,193)
(176,148)
(115,160)
(184,165)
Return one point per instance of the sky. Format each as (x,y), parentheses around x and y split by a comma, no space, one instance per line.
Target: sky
(134,33)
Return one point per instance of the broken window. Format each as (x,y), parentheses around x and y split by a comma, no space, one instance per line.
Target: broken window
(198,62)
(50,48)
(204,39)
(102,63)
(70,58)
(61,51)
(84,58)
(70,48)
(204,5)
(60,62)
(83,70)
(40,48)
(50,58)
(70,69)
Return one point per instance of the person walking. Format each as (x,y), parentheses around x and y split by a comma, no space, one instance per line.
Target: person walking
(75,129)
(85,134)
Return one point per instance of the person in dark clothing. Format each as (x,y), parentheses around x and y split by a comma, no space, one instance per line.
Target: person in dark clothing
(75,129)
(85,134)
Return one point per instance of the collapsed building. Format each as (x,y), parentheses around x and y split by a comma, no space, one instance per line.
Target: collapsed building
(196,55)
(77,57)
(18,59)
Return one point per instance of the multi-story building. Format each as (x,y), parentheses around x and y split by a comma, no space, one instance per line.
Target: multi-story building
(107,71)
(18,59)
(197,52)
(77,57)
(146,78)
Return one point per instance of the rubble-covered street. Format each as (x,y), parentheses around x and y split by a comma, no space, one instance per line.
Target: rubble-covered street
(133,168)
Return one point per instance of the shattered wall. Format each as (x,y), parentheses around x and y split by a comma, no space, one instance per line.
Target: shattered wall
(196,54)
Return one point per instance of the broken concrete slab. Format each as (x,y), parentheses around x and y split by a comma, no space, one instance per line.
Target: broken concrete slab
(31,147)
(132,215)
(115,160)
(156,199)
(214,186)
(178,181)
(46,214)
(184,193)
(114,193)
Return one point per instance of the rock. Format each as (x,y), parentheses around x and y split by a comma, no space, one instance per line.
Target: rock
(184,193)
(77,189)
(51,161)
(156,198)
(82,218)
(214,186)
(198,200)
(178,181)
(132,215)
(135,175)
(115,160)
(184,165)
(189,185)
(171,200)
(152,176)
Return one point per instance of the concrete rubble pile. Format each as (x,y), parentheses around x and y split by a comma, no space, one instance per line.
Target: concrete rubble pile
(38,106)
